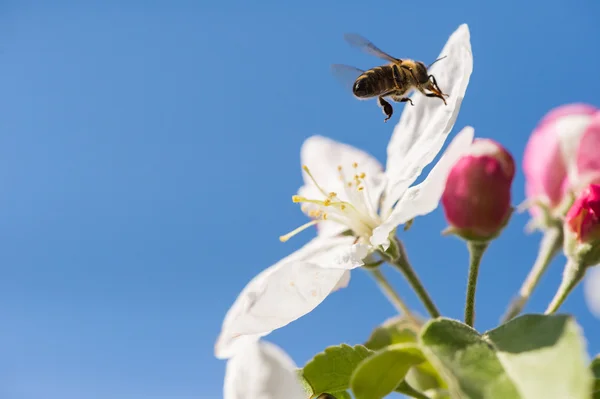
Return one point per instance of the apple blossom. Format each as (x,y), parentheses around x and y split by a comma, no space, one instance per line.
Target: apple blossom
(559,156)
(560,159)
(476,199)
(346,190)
(261,370)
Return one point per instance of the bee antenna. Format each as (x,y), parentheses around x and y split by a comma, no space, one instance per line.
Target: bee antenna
(436,61)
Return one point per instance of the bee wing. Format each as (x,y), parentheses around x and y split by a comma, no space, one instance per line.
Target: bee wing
(365,45)
(346,74)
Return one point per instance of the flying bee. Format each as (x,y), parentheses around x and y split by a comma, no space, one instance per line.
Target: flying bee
(394,80)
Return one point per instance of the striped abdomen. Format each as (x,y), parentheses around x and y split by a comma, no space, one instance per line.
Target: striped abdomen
(376,81)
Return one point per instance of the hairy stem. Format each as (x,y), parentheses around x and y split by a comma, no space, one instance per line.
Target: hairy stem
(573,274)
(401,263)
(476,251)
(390,293)
(550,246)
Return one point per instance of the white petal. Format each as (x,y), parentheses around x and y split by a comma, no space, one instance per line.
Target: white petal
(425,197)
(285,292)
(323,156)
(261,371)
(328,228)
(344,281)
(422,129)
(570,128)
(341,253)
(331,253)
(591,290)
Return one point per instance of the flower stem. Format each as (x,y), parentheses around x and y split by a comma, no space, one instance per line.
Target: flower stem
(390,293)
(573,274)
(549,247)
(476,250)
(401,263)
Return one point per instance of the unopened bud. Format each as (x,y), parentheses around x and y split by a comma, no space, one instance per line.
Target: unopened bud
(477,200)
(582,227)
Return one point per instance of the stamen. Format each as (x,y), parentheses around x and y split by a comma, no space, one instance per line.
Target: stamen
(292,233)
(313,180)
(355,165)
(314,213)
(297,198)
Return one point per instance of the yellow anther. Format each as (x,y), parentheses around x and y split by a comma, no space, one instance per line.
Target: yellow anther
(324,217)
(361,188)
(349,184)
(305,168)
(332,195)
(327,202)
(297,198)
(355,165)
(339,168)
(342,207)
(363,175)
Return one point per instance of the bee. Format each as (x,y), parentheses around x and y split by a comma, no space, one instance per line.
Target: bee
(393,80)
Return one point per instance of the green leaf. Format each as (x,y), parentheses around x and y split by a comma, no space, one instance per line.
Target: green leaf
(379,374)
(469,364)
(595,366)
(408,390)
(396,330)
(401,329)
(425,377)
(330,371)
(544,356)
(335,395)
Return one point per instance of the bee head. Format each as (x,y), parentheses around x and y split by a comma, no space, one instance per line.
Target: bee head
(417,70)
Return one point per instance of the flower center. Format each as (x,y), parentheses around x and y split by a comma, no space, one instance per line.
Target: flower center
(355,211)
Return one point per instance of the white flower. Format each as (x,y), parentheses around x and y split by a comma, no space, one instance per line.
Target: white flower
(347,189)
(591,290)
(261,370)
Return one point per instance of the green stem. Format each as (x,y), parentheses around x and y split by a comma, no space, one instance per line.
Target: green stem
(550,246)
(573,274)
(390,293)
(476,251)
(401,263)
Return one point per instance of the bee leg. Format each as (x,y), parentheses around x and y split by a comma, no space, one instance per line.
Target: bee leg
(385,107)
(402,100)
(435,85)
(436,95)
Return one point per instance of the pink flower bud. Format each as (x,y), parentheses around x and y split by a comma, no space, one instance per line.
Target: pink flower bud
(551,159)
(582,228)
(583,218)
(476,198)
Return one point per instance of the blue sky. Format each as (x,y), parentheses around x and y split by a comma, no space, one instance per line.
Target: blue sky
(148,153)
